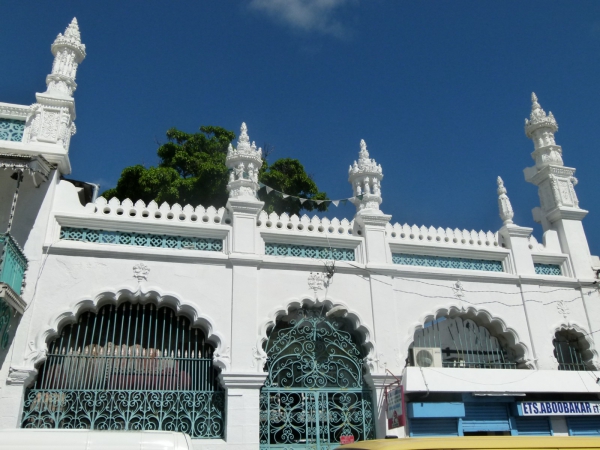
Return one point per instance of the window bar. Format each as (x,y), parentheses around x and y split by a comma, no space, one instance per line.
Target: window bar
(110,352)
(100,368)
(461,350)
(75,367)
(87,354)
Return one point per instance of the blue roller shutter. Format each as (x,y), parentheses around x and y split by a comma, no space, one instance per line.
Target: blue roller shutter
(584,426)
(533,426)
(433,427)
(486,417)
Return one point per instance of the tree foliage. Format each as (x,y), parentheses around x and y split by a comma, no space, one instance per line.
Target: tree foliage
(192,170)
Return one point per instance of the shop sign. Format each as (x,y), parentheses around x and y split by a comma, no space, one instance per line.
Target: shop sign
(395,410)
(559,408)
(346,439)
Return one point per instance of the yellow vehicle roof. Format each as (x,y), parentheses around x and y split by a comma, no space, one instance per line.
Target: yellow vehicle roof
(477,443)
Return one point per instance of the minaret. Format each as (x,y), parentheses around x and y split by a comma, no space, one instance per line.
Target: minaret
(50,120)
(243,163)
(365,177)
(559,211)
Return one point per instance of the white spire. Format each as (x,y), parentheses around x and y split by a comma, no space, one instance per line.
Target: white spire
(365,178)
(68,53)
(504,206)
(540,128)
(243,163)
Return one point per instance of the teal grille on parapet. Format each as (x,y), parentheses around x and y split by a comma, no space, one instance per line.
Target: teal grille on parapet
(11,130)
(304,251)
(142,240)
(547,269)
(446,262)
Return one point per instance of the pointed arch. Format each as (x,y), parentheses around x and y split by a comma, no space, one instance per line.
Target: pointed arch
(333,308)
(38,346)
(483,318)
(584,342)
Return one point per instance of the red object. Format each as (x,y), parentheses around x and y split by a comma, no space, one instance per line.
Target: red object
(346,440)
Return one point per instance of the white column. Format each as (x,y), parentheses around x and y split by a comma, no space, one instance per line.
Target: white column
(378,383)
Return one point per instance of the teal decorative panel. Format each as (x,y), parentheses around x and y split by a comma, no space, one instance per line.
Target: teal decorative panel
(13,263)
(547,269)
(11,130)
(304,251)
(142,240)
(447,262)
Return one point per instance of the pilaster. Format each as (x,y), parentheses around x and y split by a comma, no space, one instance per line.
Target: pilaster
(516,239)
(373,229)
(243,409)
(244,213)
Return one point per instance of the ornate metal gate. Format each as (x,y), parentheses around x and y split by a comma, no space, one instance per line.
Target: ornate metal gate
(315,392)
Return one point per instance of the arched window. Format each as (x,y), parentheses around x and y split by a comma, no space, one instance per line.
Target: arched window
(315,393)
(572,351)
(131,367)
(459,342)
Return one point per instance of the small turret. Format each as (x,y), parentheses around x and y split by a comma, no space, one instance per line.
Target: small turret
(243,162)
(365,178)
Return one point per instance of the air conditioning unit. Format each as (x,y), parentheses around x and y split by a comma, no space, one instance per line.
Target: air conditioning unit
(427,356)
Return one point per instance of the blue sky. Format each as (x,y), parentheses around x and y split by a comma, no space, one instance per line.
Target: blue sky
(439,90)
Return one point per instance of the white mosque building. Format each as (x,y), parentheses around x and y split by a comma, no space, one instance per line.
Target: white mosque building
(250,330)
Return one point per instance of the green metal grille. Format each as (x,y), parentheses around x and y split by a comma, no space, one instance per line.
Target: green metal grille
(303,251)
(134,367)
(314,393)
(446,262)
(463,343)
(11,130)
(13,263)
(143,240)
(568,353)
(547,269)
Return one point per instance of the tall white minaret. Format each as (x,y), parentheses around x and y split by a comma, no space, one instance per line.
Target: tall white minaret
(559,211)
(51,119)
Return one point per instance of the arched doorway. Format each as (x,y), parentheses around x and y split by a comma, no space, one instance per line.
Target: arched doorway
(128,367)
(315,393)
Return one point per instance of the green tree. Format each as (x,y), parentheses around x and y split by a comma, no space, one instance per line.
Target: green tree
(192,171)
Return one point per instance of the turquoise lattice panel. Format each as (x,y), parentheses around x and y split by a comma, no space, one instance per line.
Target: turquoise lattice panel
(11,130)
(304,251)
(142,240)
(446,262)
(548,269)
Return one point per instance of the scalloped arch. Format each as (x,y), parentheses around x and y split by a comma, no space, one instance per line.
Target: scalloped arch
(39,345)
(494,324)
(335,308)
(589,352)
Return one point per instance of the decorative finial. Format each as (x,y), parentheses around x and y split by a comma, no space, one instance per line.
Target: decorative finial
(72,31)
(504,206)
(538,118)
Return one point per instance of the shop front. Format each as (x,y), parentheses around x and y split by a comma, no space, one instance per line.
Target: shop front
(474,415)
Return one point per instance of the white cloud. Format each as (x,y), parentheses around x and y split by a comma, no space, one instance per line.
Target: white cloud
(305,15)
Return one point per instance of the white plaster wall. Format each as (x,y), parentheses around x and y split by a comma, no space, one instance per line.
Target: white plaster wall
(237,297)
